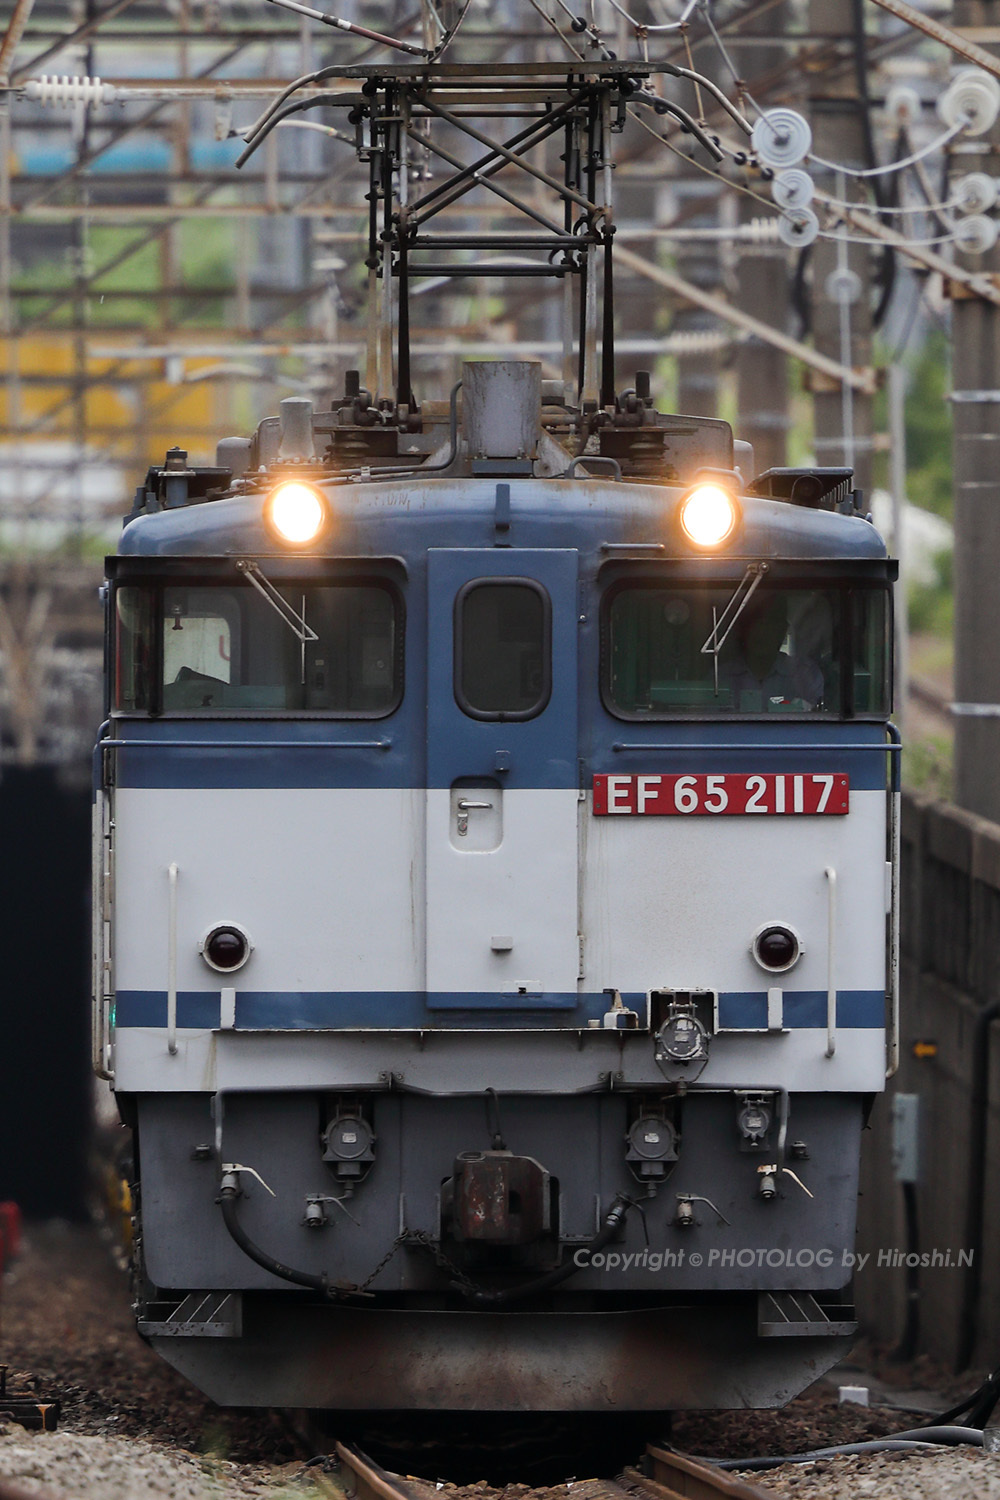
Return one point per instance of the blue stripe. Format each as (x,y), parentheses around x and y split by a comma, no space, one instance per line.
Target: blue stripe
(306,754)
(381,1010)
(858,749)
(402,1010)
(746,1010)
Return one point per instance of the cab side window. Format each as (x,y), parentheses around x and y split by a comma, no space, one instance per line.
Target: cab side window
(503,649)
(134,661)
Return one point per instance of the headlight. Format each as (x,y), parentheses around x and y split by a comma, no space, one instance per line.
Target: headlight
(296,513)
(709,515)
(226,947)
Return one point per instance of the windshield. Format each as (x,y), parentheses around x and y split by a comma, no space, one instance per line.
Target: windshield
(792,650)
(209,649)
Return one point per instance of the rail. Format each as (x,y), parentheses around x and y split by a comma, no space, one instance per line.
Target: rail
(664,1475)
(674,1475)
(370,1481)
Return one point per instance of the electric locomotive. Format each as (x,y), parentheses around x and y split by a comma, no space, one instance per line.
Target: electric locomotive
(495,874)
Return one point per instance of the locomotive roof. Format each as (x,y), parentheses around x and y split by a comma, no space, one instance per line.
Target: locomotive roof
(404,517)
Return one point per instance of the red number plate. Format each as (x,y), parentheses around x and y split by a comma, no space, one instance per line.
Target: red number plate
(761,792)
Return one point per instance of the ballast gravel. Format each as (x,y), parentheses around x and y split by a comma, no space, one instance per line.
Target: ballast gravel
(132,1428)
(951,1474)
(80,1466)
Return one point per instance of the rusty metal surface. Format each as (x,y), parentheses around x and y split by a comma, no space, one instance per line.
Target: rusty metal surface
(500,1198)
(671,1475)
(675,1474)
(347,1358)
(365,1479)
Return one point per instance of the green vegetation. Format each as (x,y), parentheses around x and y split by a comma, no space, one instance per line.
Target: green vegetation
(205,253)
(928,429)
(932,605)
(927,765)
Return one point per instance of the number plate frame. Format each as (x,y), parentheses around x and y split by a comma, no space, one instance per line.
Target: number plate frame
(728,794)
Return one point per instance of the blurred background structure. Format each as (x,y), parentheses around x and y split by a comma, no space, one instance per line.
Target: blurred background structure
(151,295)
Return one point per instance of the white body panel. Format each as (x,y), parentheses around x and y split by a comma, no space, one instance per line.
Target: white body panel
(463,1062)
(674,902)
(328,883)
(523,892)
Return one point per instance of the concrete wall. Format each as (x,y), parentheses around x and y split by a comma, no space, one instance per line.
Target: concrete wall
(950,975)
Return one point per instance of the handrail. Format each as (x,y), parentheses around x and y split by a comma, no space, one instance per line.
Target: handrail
(161,744)
(784,746)
(99,905)
(895,823)
(172,873)
(892,1064)
(831,950)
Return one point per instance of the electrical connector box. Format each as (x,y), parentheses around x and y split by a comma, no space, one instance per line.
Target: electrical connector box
(906,1137)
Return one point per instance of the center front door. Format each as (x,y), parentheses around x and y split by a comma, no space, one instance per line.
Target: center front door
(502,802)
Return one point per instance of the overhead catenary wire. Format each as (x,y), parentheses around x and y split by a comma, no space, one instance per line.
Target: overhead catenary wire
(716,148)
(938,144)
(659,26)
(888,210)
(328,130)
(724,54)
(674,70)
(341,25)
(646,96)
(867,239)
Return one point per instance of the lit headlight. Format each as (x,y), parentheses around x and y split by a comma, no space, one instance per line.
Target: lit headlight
(296,513)
(709,515)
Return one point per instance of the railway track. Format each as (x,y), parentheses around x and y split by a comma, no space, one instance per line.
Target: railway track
(663,1475)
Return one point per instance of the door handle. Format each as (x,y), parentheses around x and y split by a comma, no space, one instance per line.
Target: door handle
(463,807)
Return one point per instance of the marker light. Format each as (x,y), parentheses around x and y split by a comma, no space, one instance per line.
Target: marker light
(776,947)
(709,515)
(296,513)
(226,947)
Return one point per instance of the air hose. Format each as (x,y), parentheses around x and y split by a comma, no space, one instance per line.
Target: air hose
(227,1202)
(230,1191)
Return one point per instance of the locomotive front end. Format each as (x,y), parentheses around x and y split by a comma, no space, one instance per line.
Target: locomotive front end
(495,876)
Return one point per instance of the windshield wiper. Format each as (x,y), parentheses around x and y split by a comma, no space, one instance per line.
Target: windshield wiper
(722,628)
(295,622)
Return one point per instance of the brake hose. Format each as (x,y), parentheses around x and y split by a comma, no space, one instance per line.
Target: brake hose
(227,1202)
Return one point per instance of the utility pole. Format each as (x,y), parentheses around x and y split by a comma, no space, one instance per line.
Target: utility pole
(976,467)
(697,371)
(762,282)
(841,272)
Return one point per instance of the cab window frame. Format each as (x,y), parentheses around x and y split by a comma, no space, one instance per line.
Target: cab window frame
(503,716)
(156,575)
(847,579)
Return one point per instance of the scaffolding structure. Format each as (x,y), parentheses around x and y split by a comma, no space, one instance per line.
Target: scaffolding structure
(154,293)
